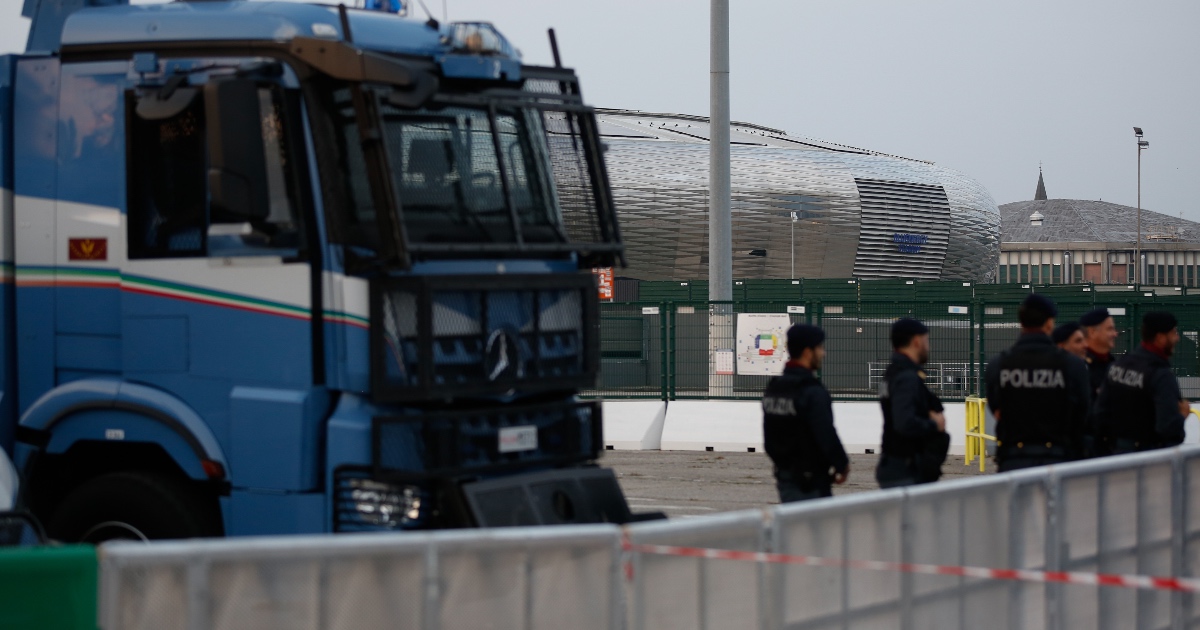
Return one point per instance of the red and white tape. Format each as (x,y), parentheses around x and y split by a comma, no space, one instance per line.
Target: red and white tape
(1187,585)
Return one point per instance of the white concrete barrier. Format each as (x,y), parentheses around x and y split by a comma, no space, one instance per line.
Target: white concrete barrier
(720,425)
(726,425)
(634,424)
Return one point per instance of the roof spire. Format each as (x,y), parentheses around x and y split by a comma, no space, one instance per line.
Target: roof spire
(1040,195)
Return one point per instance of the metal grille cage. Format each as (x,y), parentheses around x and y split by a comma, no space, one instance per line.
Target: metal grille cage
(462,336)
(550,103)
(578,169)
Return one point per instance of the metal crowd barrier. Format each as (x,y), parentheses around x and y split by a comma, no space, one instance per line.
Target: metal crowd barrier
(1122,515)
(529,578)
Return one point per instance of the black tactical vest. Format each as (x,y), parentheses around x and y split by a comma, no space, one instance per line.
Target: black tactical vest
(785,418)
(895,444)
(1129,403)
(1036,400)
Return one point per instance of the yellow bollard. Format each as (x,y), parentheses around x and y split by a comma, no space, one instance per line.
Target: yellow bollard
(976,438)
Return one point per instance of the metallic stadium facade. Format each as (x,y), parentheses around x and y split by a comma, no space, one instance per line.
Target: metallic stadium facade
(801,208)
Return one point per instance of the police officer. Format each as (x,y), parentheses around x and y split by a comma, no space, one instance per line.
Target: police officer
(915,441)
(1140,407)
(1069,337)
(1100,335)
(1038,393)
(798,427)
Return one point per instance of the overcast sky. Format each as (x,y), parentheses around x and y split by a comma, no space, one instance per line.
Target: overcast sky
(989,89)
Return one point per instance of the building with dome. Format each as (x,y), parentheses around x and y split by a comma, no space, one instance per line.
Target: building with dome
(802,208)
(1060,241)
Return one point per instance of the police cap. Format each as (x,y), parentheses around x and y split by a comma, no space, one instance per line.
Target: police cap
(803,336)
(1156,322)
(1094,317)
(1035,310)
(904,329)
(1063,332)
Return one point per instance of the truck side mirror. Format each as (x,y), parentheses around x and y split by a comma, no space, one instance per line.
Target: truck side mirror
(162,104)
(237,169)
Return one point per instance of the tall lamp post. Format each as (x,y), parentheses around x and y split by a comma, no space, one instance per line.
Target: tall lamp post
(1139,274)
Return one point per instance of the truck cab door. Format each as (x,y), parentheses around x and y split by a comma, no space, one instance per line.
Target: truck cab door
(218,282)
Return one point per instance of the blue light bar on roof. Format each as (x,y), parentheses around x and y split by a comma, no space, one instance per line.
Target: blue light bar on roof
(387,6)
(479,51)
(478,38)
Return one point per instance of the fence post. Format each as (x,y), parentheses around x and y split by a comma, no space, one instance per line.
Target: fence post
(982,350)
(664,368)
(972,313)
(1054,542)
(1135,325)
(1178,536)
(906,557)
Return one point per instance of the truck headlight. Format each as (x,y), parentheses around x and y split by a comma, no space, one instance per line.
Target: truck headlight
(384,504)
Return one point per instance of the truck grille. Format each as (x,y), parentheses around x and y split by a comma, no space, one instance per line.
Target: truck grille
(440,337)
(451,443)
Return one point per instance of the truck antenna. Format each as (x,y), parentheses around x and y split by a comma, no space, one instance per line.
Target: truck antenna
(346,34)
(554,48)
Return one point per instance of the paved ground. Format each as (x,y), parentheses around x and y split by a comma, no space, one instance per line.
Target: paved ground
(692,483)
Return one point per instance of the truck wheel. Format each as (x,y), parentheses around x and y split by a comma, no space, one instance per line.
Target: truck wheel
(134,506)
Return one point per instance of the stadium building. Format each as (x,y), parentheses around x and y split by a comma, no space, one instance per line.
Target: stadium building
(801,208)
(1063,241)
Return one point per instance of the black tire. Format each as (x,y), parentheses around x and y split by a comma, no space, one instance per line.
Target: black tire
(136,506)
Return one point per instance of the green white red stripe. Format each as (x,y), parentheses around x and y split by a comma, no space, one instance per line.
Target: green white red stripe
(60,277)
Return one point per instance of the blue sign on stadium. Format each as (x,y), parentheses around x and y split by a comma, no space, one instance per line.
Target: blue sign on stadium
(909,243)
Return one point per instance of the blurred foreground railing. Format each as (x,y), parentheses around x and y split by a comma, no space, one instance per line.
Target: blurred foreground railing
(1136,514)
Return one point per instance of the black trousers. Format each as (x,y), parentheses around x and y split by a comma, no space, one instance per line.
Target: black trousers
(793,488)
(1017,463)
(1029,456)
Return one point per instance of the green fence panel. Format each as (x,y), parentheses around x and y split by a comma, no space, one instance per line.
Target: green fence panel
(48,588)
(1002,292)
(773,289)
(662,348)
(845,289)
(933,291)
(632,350)
(898,290)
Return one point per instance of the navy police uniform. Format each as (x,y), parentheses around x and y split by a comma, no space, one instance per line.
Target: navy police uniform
(1039,393)
(1097,364)
(799,435)
(798,430)
(1042,394)
(913,447)
(1138,408)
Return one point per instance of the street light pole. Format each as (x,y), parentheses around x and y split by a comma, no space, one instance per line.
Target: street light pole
(1139,274)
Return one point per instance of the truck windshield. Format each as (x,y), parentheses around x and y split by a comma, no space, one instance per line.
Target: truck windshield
(457,171)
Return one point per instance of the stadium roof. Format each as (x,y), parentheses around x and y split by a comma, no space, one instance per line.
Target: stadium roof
(1079,221)
(625,123)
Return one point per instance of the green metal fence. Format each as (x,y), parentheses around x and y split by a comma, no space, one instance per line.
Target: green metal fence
(663,348)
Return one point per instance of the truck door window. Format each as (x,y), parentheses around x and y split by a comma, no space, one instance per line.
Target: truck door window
(167,190)
(168,198)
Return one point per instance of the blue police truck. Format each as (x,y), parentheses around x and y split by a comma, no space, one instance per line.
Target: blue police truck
(283,268)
